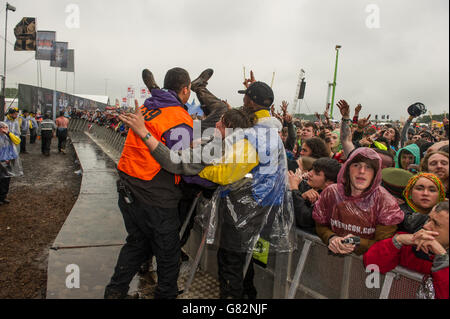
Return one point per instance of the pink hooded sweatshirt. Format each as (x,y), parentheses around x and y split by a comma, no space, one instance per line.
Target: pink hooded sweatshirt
(357,215)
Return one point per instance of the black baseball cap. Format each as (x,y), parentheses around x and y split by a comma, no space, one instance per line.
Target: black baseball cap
(260,93)
(417,109)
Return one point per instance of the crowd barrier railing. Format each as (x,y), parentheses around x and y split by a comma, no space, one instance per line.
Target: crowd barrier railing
(310,271)
(108,136)
(320,274)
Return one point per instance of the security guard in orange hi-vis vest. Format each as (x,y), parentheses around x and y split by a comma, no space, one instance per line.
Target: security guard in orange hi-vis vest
(149,195)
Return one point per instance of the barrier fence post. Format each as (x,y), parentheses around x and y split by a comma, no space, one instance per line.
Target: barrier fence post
(346,277)
(299,269)
(281,273)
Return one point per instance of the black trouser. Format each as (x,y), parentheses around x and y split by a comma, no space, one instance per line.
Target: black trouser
(61,133)
(46,139)
(151,231)
(212,106)
(4,188)
(23,143)
(33,135)
(232,282)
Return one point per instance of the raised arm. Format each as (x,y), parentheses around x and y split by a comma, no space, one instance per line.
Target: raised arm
(404,138)
(346,133)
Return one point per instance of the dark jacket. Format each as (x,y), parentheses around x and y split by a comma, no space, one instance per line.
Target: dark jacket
(303,209)
(292,137)
(413,221)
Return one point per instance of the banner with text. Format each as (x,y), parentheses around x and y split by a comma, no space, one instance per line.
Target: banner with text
(45,41)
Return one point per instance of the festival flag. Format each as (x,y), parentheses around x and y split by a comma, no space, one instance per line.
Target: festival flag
(70,62)
(130,92)
(25,32)
(59,55)
(144,93)
(45,41)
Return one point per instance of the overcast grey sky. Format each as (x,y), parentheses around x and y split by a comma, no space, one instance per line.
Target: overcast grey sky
(385,69)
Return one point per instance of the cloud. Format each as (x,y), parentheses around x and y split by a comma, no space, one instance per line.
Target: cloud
(385,69)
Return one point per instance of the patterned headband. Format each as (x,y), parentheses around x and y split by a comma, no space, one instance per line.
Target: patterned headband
(412,182)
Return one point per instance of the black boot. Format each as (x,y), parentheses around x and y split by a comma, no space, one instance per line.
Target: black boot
(202,80)
(149,80)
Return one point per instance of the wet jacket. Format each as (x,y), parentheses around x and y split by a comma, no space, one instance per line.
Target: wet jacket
(259,204)
(7,150)
(303,208)
(386,255)
(168,121)
(372,216)
(10,165)
(413,149)
(13,125)
(163,114)
(25,125)
(34,124)
(46,125)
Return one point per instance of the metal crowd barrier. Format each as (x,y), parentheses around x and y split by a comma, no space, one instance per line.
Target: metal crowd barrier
(310,271)
(108,136)
(320,274)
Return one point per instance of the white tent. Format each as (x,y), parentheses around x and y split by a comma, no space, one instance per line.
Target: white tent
(98,98)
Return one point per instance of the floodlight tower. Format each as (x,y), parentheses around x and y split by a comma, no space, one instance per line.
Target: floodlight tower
(334,82)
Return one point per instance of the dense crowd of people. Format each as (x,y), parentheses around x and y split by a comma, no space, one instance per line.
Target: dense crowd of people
(107,118)
(377,190)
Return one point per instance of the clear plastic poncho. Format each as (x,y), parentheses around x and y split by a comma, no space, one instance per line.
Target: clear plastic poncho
(259,206)
(10,164)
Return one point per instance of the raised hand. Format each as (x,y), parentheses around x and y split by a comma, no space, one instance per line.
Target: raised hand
(358,109)
(135,121)
(294,180)
(364,122)
(284,107)
(227,104)
(344,108)
(287,118)
(248,82)
(318,116)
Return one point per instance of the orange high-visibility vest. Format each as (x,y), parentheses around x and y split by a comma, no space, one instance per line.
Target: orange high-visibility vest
(136,160)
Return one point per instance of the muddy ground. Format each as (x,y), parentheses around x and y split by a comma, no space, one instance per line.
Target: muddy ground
(40,203)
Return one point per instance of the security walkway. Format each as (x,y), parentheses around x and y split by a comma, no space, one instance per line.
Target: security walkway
(93,233)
